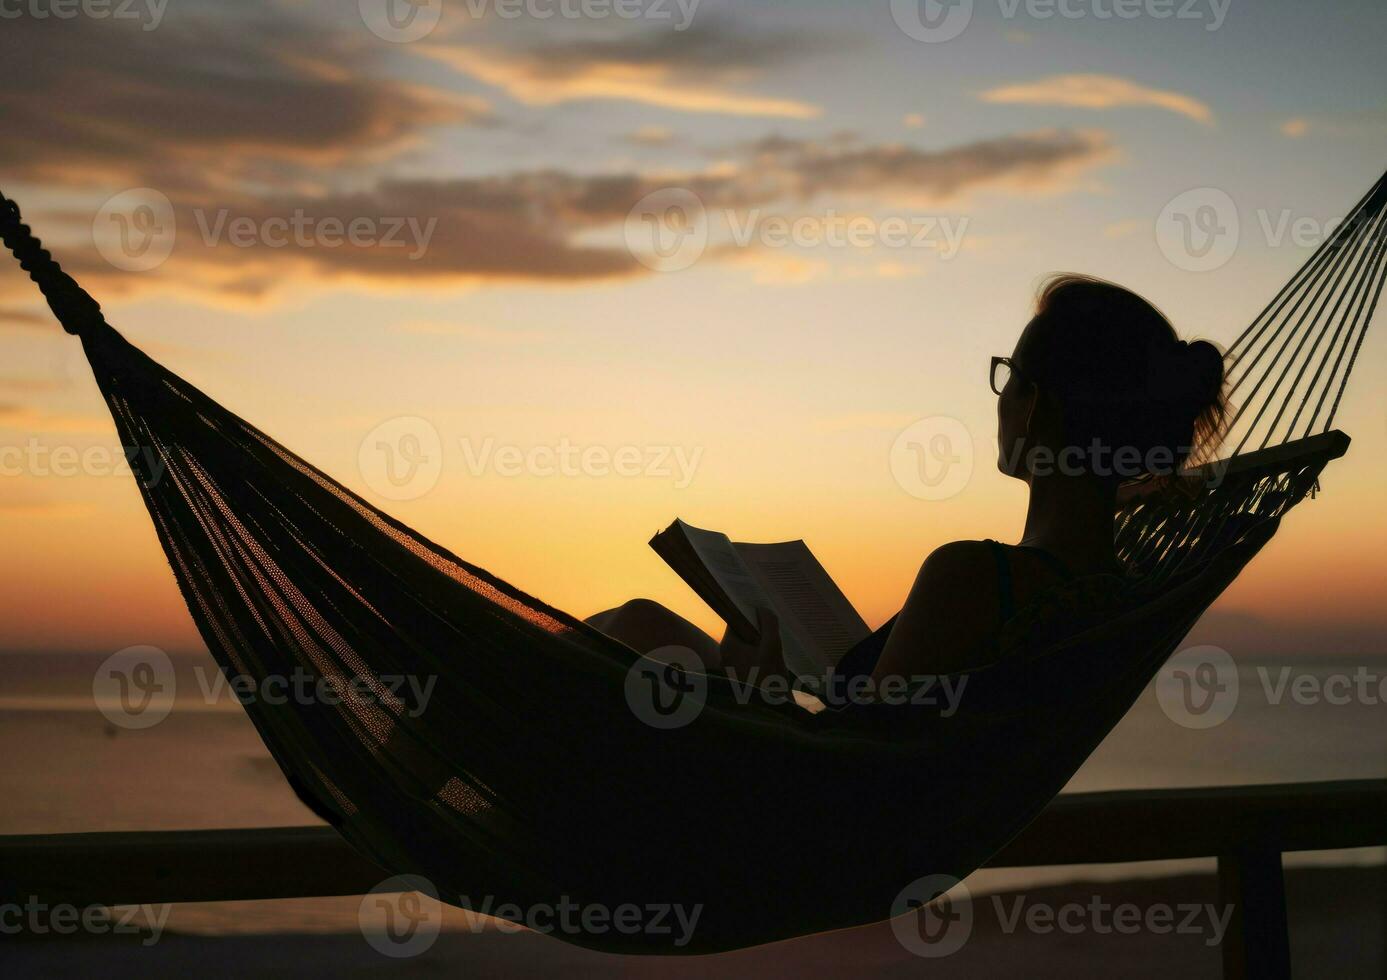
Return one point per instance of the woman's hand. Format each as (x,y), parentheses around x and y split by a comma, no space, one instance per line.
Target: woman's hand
(766,655)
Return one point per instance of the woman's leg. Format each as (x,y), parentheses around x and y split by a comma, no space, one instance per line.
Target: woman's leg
(644,625)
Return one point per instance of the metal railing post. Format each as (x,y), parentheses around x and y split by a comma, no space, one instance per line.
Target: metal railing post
(1257,944)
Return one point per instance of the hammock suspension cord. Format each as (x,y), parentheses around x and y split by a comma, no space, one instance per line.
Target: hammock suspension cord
(73,306)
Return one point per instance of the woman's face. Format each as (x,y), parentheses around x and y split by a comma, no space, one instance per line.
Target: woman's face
(1015,409)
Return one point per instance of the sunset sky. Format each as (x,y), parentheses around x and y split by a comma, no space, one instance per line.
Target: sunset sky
(757,386)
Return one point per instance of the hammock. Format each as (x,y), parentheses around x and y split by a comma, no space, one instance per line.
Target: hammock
(527,778)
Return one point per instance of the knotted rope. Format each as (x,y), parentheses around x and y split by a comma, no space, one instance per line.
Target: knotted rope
(71,304)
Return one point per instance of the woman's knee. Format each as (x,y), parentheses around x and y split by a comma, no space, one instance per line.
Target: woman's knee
(645,619)
(644,609)
(631,609)
(645,625)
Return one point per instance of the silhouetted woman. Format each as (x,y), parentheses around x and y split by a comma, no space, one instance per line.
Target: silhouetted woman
(1099,391)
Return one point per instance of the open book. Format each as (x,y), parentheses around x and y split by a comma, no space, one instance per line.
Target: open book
(817,622)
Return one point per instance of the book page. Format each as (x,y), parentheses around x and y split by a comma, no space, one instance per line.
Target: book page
(809,603)
(817,622)
(722,560)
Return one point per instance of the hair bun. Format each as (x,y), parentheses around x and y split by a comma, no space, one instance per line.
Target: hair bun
(1203,369)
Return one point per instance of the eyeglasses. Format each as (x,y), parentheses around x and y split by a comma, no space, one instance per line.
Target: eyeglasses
(1002,370)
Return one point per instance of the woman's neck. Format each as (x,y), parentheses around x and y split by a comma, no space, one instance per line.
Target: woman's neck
(1072,519)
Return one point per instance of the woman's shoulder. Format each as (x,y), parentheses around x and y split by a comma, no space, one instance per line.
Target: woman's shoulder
(950,614)
(963,553)
(952,572)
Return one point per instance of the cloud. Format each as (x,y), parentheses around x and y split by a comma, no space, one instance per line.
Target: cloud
(247,115)
(778,268)
(202,101)
(29,505)
(1371,123)
(651,136)
(1041,162)
(1126,228)
(895,270)
(28,384)
(508,227)
(552,225)
(26,319)
(25,419)
(699,70)
(1295,128)
(1098,92)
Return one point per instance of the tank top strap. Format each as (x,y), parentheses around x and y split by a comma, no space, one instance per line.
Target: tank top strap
(1056,565)
(1006,596)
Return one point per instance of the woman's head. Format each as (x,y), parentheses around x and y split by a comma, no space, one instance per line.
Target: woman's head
(1100,385)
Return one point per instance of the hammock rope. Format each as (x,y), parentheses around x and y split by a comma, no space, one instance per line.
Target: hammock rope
(1283,369)
(1300,313)
(72,305)
(530,777)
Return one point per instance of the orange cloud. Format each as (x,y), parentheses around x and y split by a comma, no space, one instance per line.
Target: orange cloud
(25,419)
(1098,92)
(533,82)
(700,69)
(1295,128)
(25,319)
(651,136)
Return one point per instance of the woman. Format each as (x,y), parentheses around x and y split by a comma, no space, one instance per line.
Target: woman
(1098,392)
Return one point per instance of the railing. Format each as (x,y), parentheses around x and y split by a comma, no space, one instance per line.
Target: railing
(1247,828)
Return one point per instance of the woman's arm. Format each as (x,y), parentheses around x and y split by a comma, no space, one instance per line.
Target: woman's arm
(948,617)
(945,626)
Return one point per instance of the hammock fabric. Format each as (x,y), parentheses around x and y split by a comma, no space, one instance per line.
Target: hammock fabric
(527,777)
